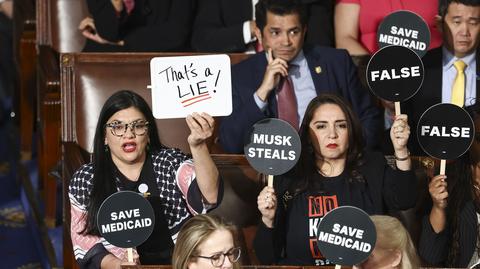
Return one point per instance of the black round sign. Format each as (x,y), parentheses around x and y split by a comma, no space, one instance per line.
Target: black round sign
(346,235)
(395,73)
(404,28)
(125,219)
(273,146)
(445,131)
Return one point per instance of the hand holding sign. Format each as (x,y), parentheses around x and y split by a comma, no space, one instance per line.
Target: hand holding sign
(400,132)
(201,128)
(187,84)
(438,191)
(267,205)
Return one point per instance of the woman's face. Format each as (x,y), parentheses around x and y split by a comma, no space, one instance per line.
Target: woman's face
(381,259)
(127,147)
(329,132)
(220,241)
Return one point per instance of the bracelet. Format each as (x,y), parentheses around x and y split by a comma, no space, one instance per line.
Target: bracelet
(402,159)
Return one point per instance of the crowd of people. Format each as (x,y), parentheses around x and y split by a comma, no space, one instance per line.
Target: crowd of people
(302,72)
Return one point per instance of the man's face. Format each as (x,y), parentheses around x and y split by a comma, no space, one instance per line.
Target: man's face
(284,35)
(461,29)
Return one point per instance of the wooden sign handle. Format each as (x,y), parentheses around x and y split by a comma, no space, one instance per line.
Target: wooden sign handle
(443,164)
(130,254)
(338,266)
(397,108)
(270,180)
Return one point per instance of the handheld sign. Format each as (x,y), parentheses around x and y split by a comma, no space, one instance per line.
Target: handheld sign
(273,147)
(395,73)
(126,219)
(445,131)
(346,236)
(187,84)
(404,28)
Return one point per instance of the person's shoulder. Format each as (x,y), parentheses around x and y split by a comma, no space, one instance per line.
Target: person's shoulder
(247,64)
(169,155)
(85,172)
(82,178)
(325,52)
(433,56)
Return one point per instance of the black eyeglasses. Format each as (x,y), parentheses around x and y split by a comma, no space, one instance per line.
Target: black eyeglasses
(138,127)
(218,259)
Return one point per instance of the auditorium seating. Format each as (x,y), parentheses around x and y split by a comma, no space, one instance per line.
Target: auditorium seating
(87,80)
(56,33)
(24,52)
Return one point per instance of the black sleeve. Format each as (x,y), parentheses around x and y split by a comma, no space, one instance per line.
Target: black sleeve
(433,246)
(106,20)
(170,34)
(195,197)
(93,258)
(400,188)
(269,243)
(211,34)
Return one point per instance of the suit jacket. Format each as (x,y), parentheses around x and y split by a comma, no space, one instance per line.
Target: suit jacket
(338,75)
(429,94)
(433,247)
(218,24)
(153,25)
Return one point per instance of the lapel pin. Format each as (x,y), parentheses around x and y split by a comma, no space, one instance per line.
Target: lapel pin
(318,69)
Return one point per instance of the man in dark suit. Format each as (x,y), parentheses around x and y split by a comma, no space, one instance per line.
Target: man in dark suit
(228,26)
(281,30)
(460,28)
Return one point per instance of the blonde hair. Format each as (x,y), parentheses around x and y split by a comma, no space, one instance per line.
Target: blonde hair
(195,231)
(392,235)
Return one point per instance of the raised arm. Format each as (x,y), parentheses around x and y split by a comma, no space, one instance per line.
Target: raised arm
(201,128)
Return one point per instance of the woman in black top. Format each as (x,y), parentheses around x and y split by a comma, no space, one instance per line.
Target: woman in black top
(333,170)
(138,25)
(450,231)
(128,155)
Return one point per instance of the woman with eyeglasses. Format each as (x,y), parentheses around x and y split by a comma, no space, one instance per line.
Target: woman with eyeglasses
(450,232)
(206,242)
(128,155)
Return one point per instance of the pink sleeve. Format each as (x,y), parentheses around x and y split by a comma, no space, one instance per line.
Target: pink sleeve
(185,176)
(83,243)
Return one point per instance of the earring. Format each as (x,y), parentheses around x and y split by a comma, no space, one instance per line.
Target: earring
(106,148)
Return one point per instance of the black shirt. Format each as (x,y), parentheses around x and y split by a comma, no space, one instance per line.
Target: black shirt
(304,212)
(158,248)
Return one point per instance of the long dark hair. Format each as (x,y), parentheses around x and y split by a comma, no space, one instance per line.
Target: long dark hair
(103,180)
(306,168)
(460,185)
(461,191)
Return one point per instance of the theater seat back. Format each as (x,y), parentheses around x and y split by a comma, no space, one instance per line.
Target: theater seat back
(89,79)
(57,24)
